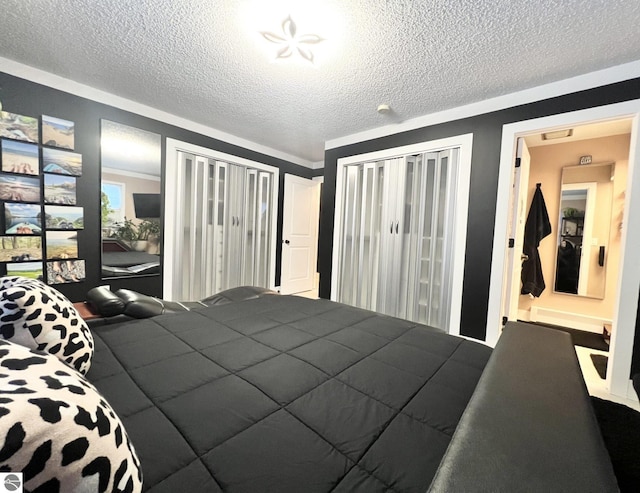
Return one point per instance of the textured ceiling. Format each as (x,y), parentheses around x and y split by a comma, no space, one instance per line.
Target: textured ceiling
(205,60)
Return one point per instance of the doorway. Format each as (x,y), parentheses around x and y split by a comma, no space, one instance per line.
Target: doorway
(580,257)
(628,280)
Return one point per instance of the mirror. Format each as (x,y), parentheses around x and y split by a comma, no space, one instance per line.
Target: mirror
(130,200)
(586,197)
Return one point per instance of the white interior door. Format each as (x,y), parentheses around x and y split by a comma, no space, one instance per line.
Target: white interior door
(299,234)
(517,220)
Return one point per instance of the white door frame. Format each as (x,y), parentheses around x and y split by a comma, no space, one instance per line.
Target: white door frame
(465,143)
(517,218)
(618,382)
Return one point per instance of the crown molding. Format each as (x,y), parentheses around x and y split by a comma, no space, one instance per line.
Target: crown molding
(48,79)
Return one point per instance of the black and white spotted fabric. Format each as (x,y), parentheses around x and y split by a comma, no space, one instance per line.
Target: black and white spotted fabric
(37,316)
(58,430)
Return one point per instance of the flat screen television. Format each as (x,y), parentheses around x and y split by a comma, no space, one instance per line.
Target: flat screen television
(146,205)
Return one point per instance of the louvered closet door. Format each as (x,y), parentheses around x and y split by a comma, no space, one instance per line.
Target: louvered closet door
(195,227)
(249,225)
(361,237)
(391,234)
(350,245)
(234,225)
(218,238)
(223,228)
(264,215)
(256,227)
(395,242)
(412,205)
(432,287)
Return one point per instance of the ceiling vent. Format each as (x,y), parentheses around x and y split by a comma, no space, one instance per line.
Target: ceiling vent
(558,134)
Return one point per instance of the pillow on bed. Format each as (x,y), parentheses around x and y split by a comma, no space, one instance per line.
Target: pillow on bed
(37,316)
(58,430)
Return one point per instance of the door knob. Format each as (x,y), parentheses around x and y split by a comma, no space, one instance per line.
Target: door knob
(287,242)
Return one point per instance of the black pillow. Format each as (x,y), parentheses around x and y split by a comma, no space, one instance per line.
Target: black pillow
(105,301)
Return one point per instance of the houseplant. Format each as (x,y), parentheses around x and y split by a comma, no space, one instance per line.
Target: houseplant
(148,236)
(138,236)
(148,229)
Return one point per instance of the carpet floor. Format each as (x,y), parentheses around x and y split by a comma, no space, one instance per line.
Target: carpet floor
(620,426)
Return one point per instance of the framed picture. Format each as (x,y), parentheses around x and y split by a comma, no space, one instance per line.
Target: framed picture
(65,271)
(18,127)
(62,245)
(19,188)
(59,189)
(61,162)
(57,132)
(32,270)
(18,157)
(22,219)
(20,248)
(63,217)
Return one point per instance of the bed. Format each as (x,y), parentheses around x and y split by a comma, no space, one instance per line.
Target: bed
(119,260)
(250,391)
(286,394)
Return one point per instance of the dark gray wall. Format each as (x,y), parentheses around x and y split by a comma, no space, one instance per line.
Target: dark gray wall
(31,99)
(487,134)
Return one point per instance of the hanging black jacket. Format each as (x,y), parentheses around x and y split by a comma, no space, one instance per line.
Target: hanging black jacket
(536,228)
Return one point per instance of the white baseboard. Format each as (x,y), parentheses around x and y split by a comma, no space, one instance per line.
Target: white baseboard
(567,319)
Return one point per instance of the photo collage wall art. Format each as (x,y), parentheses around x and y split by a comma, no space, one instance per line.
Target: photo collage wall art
(38,171)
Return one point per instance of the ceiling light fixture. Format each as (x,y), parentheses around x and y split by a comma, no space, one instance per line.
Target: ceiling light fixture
(558,134)
(291,42)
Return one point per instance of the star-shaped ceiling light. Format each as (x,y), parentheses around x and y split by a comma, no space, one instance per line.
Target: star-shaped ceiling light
(292,43)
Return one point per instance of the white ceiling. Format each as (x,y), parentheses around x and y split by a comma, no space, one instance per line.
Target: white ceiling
(205,60)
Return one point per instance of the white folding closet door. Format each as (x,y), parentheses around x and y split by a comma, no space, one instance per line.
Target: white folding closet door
(395,239)
(361,240)
(264,226)
(192,224)
(256,226)
(234,224)
(391,235)
(438,208)
(218,235)
(372,212)
(249,225)
(413,203)
(224,226)
(349,246)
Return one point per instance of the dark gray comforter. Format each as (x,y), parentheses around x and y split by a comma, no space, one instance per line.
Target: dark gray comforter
(283,394)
